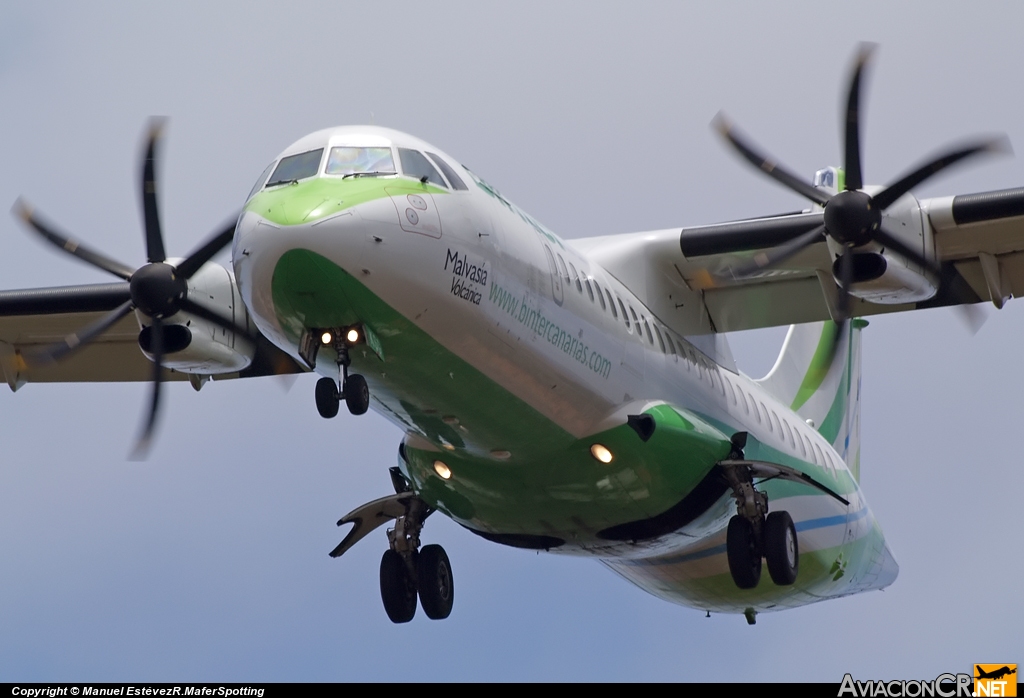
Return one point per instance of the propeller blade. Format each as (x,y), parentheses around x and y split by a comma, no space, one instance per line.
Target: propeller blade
(145,439)
(216,318)
(845,281)
(151,213)
(839,336)
(73,342)
(854,173)
(972,316)
(885,198)
(23,210)
(776,256)
(884,237)
(205,253)
(766,165)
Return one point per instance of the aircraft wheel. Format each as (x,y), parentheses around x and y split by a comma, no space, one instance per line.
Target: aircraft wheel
(434,580)
(397,588)
(780,548)
(327,397)
(357,394)
(742,551)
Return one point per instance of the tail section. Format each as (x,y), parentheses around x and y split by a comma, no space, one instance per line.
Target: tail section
(818,375)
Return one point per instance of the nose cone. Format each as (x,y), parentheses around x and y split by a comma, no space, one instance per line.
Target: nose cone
(286,239)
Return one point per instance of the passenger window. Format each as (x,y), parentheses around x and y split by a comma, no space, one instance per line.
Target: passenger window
(576,276)
(789,432)
(767,419)
(818,457)
(565,272)
(661,342)
(636,321)
(799,440)
(625,317)
(756,413)
(650,337)
(611,303)
(453,178)
(414,164)
(778,425)
(732,391)
(743,399)
(590,290)
(600,296)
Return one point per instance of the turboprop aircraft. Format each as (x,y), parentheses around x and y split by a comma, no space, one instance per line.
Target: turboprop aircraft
(571,396)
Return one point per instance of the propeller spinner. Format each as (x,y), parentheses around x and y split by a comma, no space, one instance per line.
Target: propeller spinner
(157,289)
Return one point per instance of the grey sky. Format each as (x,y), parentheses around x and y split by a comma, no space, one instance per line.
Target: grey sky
(209,561)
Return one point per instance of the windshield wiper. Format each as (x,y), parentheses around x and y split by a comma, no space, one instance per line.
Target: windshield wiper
(372,173)
(282,181)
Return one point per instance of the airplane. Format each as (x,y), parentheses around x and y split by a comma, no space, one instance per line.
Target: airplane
(568,396)
(995,673)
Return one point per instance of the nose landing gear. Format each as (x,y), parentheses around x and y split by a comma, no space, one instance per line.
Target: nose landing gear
(354,390)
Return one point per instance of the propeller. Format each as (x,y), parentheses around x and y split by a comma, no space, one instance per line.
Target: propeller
(157,289)
(852,217)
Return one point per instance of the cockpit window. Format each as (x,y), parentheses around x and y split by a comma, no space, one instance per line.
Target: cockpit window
(453,178)
(296,167)
(350,160)
(260,181)
(415,165)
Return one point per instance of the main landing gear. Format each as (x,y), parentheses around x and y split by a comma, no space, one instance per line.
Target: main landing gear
(754,533)
(408,572)
(354,390)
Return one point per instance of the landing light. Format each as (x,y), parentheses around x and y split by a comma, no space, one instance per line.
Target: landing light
(326,338)
(601,453)
(352,336)
(442,470)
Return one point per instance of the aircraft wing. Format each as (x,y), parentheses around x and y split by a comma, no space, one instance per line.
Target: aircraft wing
(683,274)
(36,318)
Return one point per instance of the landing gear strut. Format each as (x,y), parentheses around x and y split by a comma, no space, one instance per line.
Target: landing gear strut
(354,390)
(753,533)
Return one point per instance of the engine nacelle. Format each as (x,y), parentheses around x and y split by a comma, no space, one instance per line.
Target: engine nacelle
(886,279)
(195,345)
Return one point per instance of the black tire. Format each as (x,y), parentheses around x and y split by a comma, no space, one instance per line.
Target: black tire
(781,550)
(434,580)
(357,394)
(327,397)
(397,588)
(743,553)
